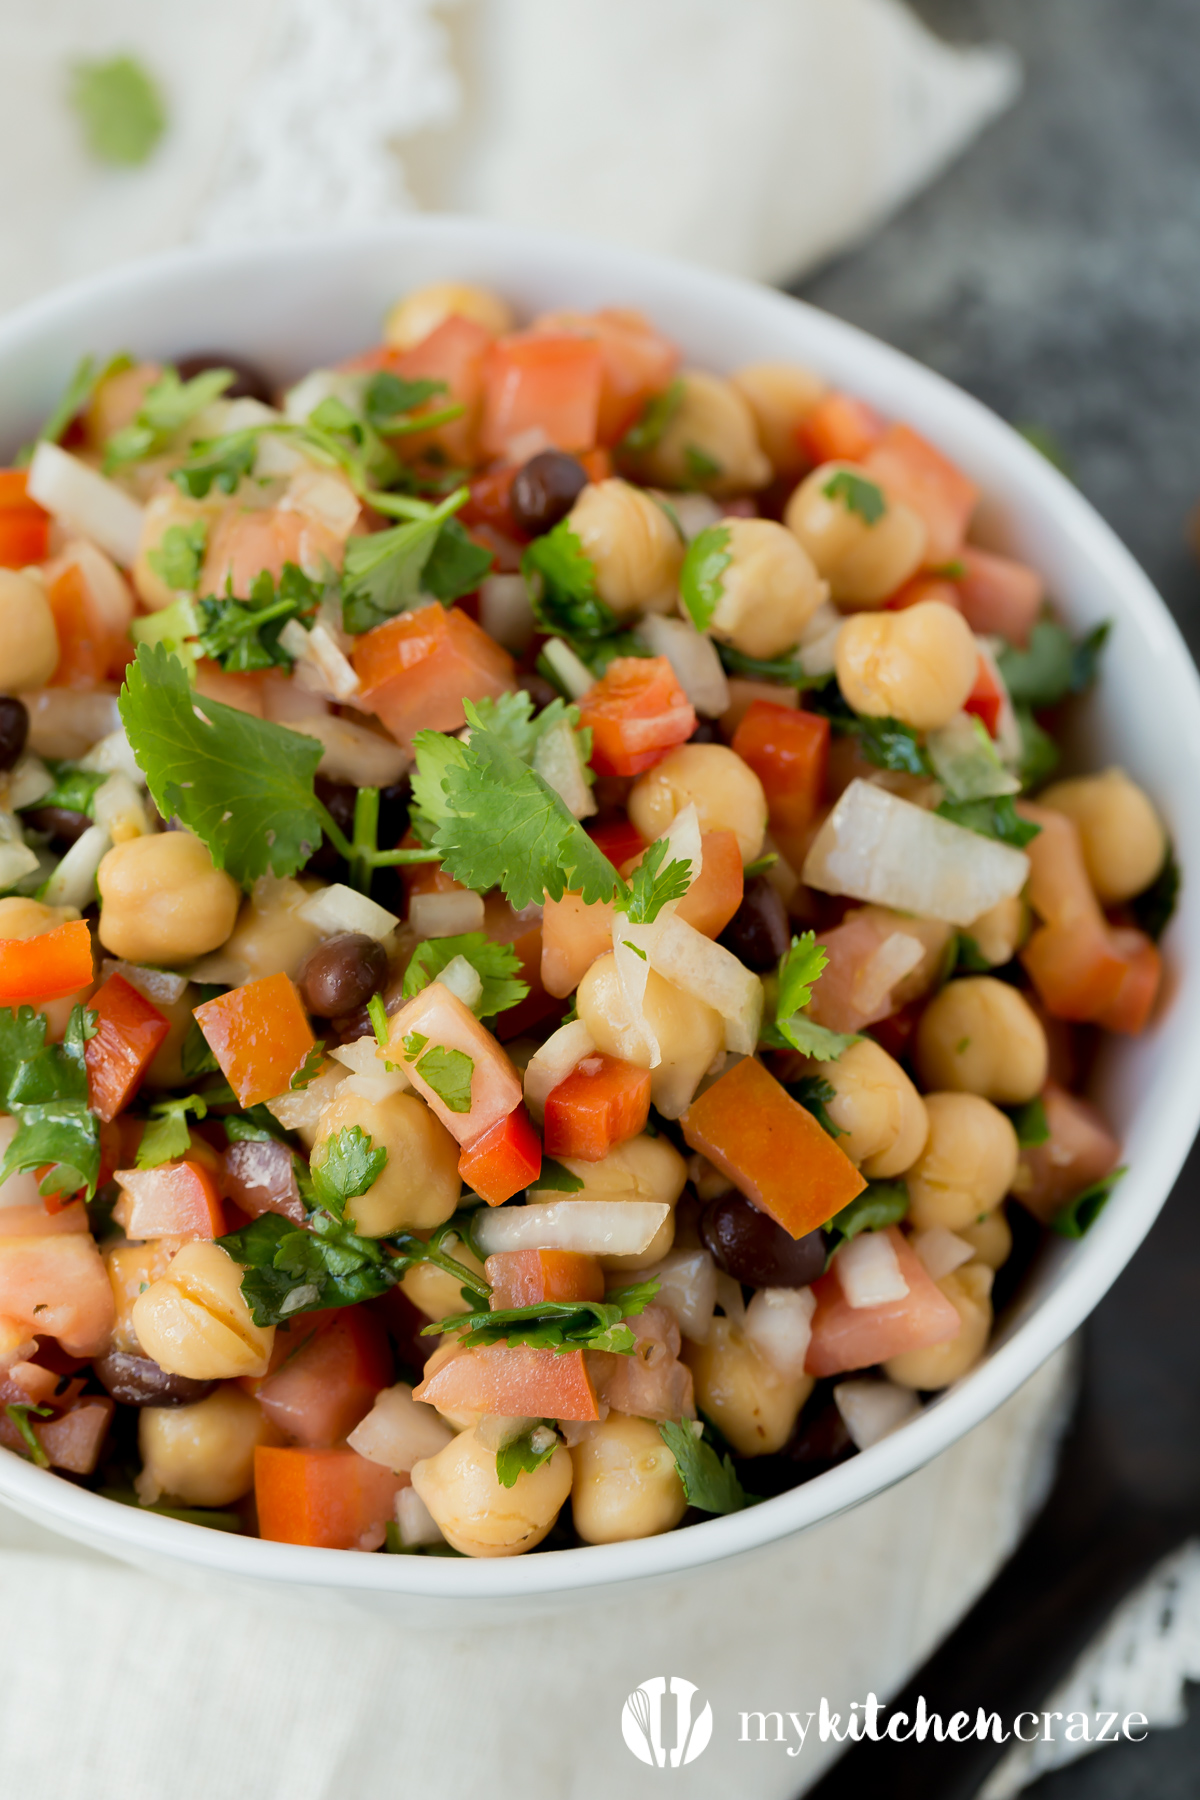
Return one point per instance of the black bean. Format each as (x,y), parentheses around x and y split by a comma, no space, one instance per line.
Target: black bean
(14,729)
(758,933)
(249,383)
(754,1249)
(261,1178)
(342,974)
(545,489)
(707,732)
(138,1381)
(58,822)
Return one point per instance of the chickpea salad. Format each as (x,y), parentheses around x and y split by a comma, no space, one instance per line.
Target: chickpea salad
(547,973)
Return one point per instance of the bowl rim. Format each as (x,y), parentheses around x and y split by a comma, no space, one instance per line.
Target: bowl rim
(1096,1260)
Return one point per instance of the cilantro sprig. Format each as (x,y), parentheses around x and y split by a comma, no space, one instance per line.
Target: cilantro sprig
(179,555)
(166,1138)
(881,1203)
(167,407)
(46,1087)
(525,1453)
(242,635)
(857,494)
(560,1325)
(800,968)
(388,571)
(710,1483)
(1077,1217)
(702,578)
(497,966)
(996,818)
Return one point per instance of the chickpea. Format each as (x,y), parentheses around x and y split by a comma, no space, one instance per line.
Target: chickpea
(918,665)
(863,560)
(991,1238)
(710,441)
(644,1168)
(999,932)
(880,1109)
(771,589)
(728,795)
(116,402)
(28,635)
(632,545)
(420,1183)
(967,1165)
(478,1516)
(1124,844)
(132,1268)
(433,1292)
(194,1319)
(203,1454)
(626,1484)
(162,511)
(969,1290)
(411,320)
(746,1398)
(22,918)
(163,901)
(981,1036)
(781,396)
(270,937)
(689,1033)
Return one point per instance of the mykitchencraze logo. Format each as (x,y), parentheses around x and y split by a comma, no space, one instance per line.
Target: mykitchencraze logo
(642,1723)
(863,1721)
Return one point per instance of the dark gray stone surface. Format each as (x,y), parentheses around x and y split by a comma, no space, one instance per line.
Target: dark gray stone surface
(1055,270)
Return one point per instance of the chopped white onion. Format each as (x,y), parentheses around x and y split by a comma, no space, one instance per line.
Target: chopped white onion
(895,958)
(567,669)
(321,668)
(966,761)
(399,1431)
(693,962)
(632,945)
(687,1283)
(463,980)
(730,1298)
(817,649)
(301,1110)
(301,401)
(872,1409)
(321,495)
(591,1227)
(779,1325)
(86,502)
(369,1076)
(941,1251)
(684,844)
(160,986)
(446,915)
(693,512)
(113,755)
(869,1270)
(339,908)
(876,847)
(67,722)
(17,859)
(556,759)
(494,1431)
(353,754)
(562,1050)
(505,612)
(28,782)
(119,808)
(694,659)
(73,883)
(414,1520)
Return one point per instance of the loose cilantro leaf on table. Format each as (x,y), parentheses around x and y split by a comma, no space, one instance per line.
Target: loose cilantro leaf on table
(1029,1123)
(710,1484)
(165,1138)
(497,966)
(995,818)
(1079,1215)
(656,415)
(701,580)
(556,1325)
(521,1458)
(243,785)
(1152,909)
(857,494)
(800,968)
(179,556)
(881,1203)
(45,1086)
(167,407)
(120,108)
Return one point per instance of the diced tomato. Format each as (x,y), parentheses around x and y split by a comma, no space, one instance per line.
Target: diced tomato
(417,669)
(56,1286)
(47,1217)
(503,1159)
(840,429)
(24,525)
(1079,1151)
(47,967)
(326,1386)
(452,353)
(924,587)
(128,1033)
(986,698)
(909,468)
(527,1277)
(789,752)
(771,1148)
(31,1381)
(998,596)
(331,1499)
(514,1380)
(74,1440)
(602,1103)
(120,1140)
(618,839)
(858,984)
(489,502)
(651,1383)
(854,1337)
(177,1199)
(260,1036)
(574,934)
(1071,958)
(1131,1006)
(543,385)
(83,652)
(597,464)
(636,712)
(240,688)
(743,694)
(436,1019)
(636,363)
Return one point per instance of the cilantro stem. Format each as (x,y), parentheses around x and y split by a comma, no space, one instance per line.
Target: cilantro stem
(362,855)
(18,1417)
(403,506)
(407,425)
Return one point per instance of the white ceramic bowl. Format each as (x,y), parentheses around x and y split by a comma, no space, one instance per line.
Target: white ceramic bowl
(292,306)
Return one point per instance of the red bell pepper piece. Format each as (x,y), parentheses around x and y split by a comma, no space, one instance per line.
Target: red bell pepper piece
(986,698)
(259,1035)
(789,752)
(128,1034)
(24,526)
(636,712)
(618,839)
(503,1159)
(46,967)
(332,1499)
(602,1103)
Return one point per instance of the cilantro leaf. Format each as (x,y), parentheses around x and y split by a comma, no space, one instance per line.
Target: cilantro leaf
(1029,1122)
(85,379)
(244,634)
(559,1325)
(179,555)
(555,1179)
(709,1484)
(310,1068)
(46,1087)
(27,1062)
(1079,1215)
(890,745)
(289,1270)
(789,671)
(1152,909)
(74,788)
(814,1094)
(701,580)
(448,1073)
(387,396)
(995,818)
(1039,752)
(655,416)
(881,1203)
(220,462)
(561,580)
(495,964)
(62,1133)
(344,1166)
(18,1414)
(968,957)
(456,564)
(243,785)
(382,572)
(800,967)
(857,494)
(165,1138)
(700,466)
(1052,666)
(166,408)
(520,1457)
(651,886)
(120,108)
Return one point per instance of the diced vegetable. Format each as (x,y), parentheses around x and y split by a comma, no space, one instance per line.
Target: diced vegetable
(869,1271)
(503,1159)
(574,934)
(652,1383)
(527,1277)
(514,1380)
(618,839)
(874,965)
(909,468)
(553,1062)
(999,597)
(41,968)
(635,362)
(24,525)
(339,908)
(540,388)
(400,1431)
(333,1499)
(1071,958)
(693,657)
(260,1036)
(716,893)
(86,502)
(590,1227)
(177,1199)
(129,1031)
(687,1283)
(779,1325)
(74,1440)
(601,1103)
(875,846)
(417,669)
(771,1148)
(56,1286)
(986,698)
(789,752)
(329,1383)
(849,1337)
(1080,1150)
(454,1062)
(636,713)
(1130,1009)
(453,353)
(840,429)
(872,1409)
(709,972)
